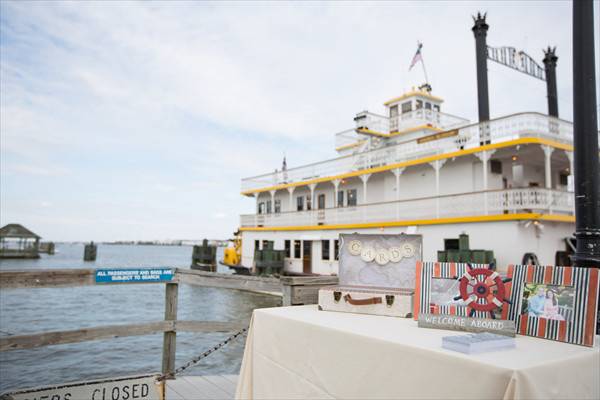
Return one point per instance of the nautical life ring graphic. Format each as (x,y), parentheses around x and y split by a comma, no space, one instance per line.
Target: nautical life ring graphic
(482,289)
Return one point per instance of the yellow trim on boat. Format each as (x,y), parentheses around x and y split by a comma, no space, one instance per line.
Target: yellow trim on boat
(418,161)
(437,221)
(389,135)
(351,145)
(413,93)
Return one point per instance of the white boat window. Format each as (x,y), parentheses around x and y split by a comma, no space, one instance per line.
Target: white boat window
(406,107)
(352,197)
(325,250)
(321,202)
(340,198)
(297,248)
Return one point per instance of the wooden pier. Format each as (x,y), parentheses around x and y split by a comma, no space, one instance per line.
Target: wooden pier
(202,387)
(296,290)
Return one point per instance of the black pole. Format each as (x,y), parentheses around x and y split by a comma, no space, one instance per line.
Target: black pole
(550,59)
(585,138)
(480,29)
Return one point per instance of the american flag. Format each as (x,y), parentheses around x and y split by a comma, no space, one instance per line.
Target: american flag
(417,56)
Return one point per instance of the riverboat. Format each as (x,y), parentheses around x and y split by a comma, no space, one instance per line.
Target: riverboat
(415,169)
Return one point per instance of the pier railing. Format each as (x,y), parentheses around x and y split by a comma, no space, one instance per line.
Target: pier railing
(507,201)
(56,278)
(516,126)
(296,290)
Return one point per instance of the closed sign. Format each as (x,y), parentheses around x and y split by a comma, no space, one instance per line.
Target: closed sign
(134,388)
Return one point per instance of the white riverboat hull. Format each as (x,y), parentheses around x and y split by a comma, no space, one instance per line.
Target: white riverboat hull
(509,240)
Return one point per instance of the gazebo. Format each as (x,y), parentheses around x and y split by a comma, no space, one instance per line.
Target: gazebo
(16,241)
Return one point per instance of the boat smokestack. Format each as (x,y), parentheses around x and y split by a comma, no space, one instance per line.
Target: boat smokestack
(550,59)
(480,29)
(585,138)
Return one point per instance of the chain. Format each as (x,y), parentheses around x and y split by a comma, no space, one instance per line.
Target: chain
(208,352)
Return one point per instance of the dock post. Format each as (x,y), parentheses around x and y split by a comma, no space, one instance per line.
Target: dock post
(170,337)
(90,251)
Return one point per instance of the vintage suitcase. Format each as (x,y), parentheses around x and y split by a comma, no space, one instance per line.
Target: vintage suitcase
(376,275)
(389,302)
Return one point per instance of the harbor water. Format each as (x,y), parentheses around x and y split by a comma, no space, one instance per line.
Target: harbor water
(53,309)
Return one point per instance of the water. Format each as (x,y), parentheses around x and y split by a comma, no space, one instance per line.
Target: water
(35,310)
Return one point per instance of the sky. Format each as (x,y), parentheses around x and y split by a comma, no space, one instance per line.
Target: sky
(138,120)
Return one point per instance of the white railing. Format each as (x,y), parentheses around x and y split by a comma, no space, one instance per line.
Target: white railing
(460,205)
(372,121)
(402,122)
(495,131)
(425,117)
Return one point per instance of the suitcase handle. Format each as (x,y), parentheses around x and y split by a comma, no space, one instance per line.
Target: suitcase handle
(362,302)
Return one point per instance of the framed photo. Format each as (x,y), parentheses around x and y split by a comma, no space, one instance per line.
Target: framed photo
(556,303)
(438,290)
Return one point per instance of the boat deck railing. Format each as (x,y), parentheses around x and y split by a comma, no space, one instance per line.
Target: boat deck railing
(506,201)
(397,124)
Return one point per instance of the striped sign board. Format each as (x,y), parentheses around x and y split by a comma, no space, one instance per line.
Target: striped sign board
(426,272)
(577,325)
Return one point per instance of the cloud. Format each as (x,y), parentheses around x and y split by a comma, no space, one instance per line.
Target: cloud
(152,113)
(219,215)
(38,170)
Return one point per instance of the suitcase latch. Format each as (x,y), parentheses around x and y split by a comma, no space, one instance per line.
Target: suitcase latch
(337,296)
(389,299)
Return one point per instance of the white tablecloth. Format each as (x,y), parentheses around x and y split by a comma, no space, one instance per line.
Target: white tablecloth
(300,352)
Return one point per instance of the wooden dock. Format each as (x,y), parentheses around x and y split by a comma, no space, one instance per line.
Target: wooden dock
(202,387)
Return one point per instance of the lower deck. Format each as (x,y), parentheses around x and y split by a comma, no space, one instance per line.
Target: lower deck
(315,251)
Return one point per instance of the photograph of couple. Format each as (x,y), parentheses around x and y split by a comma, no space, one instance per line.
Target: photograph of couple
(550,302)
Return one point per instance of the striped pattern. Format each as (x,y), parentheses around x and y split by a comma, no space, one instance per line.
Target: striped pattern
(426,271)
(580,324)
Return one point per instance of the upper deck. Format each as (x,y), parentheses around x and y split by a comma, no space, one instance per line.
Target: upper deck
(433,143)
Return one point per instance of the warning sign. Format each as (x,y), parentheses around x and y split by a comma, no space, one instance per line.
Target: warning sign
(128,388)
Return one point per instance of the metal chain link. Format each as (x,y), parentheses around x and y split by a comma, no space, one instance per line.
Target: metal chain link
(208,352)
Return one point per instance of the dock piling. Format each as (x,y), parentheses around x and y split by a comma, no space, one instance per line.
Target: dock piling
(170,337)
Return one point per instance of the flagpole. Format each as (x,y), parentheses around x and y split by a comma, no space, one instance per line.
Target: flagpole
(424,70)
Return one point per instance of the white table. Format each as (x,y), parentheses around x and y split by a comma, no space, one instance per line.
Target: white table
(301,352)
